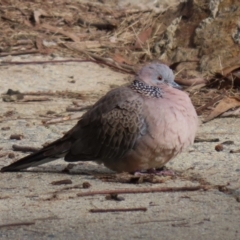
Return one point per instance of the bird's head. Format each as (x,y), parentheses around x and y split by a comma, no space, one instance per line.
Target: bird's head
(155,74)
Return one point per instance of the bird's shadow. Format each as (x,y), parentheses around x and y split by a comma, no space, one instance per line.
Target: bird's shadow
(70,169)
(96,171)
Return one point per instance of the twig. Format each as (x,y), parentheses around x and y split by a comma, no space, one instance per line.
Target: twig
(56,120)
(59,120)
(235,151)
(44,62)
(17,53)
(106,61)
(131,12)
(24,148)
(77,186)
(98,59)
(57,30)
(40,93)
(195,88)
(78,109)
(61,182)
(161,220)
(109,62)
(16,136)
(220,63)
(142,190)
(229,142)
(34,99)
(142,209)
(197,140)
(17,224)
(3,154)
(100,26)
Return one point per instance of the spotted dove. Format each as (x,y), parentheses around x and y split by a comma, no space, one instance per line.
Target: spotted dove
(132,128)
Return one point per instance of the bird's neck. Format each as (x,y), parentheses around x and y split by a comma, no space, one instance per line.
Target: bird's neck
(146,90)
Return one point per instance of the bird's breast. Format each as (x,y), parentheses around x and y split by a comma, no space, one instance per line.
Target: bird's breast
(173,123)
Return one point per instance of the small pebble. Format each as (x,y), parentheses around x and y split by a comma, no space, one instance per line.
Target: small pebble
(11,155)
(86,185)
(219,147)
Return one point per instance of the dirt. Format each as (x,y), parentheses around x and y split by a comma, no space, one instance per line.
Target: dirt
(34,208)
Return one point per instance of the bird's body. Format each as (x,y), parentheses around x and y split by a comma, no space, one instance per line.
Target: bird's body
(168,134)
(132,128)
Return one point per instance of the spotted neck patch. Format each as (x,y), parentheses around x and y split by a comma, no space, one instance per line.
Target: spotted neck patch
(146,90)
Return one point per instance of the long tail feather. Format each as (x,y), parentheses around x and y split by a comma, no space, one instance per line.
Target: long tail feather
(47,154)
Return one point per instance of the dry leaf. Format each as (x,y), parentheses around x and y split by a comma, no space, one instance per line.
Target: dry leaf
(229,66)
(142,38)
(232,113)
(37,14)
(27,23)
(228,70)
(120,59)
(223,106)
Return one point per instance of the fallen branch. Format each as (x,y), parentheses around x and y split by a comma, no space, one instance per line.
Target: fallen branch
(142,190)
(142,209)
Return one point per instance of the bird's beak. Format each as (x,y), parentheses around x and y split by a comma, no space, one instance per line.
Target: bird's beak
(175,85)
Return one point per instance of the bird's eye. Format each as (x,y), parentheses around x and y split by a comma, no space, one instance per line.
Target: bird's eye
(159,77)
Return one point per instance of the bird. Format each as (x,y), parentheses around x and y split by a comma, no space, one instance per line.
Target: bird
(133,128)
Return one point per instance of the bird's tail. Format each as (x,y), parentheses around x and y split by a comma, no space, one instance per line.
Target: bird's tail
(47,154)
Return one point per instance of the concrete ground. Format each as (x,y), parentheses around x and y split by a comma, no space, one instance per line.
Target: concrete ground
(31,207)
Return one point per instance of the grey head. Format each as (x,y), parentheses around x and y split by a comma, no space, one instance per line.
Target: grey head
(155,74)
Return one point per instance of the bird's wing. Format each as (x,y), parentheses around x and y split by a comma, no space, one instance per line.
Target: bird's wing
(109,129)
